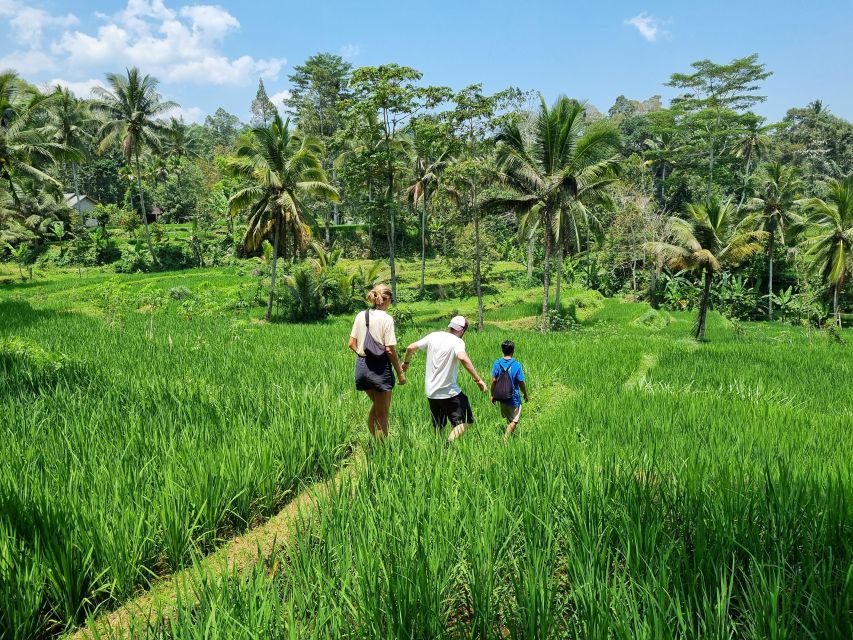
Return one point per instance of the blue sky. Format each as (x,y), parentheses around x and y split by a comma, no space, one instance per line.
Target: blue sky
(211,54)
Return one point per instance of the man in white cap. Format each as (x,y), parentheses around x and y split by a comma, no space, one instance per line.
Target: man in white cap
(445,351)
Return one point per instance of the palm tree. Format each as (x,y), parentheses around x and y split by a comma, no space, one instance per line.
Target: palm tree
(23,147)
(705,244)
(753,144)
(565,159)
(828,236)
(130,110)
(181,141)
(282,166)
(426,170)
(773,210)
(67,126)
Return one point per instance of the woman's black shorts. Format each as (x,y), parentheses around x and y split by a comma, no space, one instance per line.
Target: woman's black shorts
(374,374)
(456,409)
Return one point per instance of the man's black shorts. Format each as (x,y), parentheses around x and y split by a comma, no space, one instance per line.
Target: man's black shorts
(456,409)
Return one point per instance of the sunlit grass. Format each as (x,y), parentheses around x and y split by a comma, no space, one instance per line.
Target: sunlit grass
(710,497)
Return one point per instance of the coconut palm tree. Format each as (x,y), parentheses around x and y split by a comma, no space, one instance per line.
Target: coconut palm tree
(130,111)
(283,167)
(706,243)
(426,172)
(828,236)
(181,141)
(563,159)
(772,210)
(66,125)
(23,147)
(752,144)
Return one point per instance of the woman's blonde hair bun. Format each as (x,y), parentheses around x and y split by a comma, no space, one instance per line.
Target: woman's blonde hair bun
(379,295)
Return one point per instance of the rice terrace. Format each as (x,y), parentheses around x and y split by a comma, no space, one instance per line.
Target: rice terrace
(378,357)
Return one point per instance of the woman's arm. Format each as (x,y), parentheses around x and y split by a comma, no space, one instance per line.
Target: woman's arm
(395,362)
(353,344)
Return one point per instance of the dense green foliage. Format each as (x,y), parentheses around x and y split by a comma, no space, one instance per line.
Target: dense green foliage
(416,167)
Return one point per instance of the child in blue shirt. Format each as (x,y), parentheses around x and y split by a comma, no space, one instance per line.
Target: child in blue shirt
(510,409)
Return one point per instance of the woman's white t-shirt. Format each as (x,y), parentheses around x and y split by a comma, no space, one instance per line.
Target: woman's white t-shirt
(381,328)
(442,366)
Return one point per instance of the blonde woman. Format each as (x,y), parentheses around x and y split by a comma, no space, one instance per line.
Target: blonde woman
(373,340)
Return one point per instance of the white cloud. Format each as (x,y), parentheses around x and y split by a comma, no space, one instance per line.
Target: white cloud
(190,115)
(29,23)
(648,26)
(278,99)
(174,44)
(81,89)
(29,62)
(350,51)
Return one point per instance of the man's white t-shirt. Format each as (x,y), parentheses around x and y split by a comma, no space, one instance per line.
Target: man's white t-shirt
(442,366)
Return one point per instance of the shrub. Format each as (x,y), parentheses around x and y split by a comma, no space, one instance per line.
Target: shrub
(403,318)
(133,261)
(180,293)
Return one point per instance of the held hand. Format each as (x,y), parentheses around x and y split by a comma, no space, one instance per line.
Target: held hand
(402,379)
(405,366)
(482,385)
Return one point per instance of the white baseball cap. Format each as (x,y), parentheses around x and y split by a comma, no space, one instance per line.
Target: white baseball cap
(459,323)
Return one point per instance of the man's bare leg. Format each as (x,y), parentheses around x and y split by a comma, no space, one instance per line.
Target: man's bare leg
(457,431)
(510,427)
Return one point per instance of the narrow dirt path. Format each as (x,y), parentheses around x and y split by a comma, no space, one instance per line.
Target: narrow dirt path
(639,378)
(239,554)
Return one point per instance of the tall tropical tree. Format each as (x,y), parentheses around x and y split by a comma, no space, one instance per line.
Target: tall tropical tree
(563,160)
(24,149)
(282,167)
(67,126)
(706,243)
(181,141)
(751,146)
(773,209)
(130,110)
(828,236)
(392,92)
(428,160)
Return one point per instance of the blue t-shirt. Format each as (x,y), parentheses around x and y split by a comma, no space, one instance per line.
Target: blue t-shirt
(515,373)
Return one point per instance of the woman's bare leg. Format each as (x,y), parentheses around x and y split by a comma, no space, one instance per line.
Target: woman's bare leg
(371,416)
(382,407)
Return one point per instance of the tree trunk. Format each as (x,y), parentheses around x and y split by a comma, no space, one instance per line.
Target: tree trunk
(703,308)
(745,182)
(771,241)
(653,286)
(423,241)
(336,214)
(268,314)
(546,276)
(392,234)
(836,311)
(392,230)
(144,214)
(559,278)
(530,245)
(77,191)
(478,278)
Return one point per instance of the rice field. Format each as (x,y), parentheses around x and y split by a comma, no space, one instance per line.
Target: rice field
(655,488)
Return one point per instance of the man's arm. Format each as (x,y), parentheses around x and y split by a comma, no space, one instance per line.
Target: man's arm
(410,350)
(353,344)
(469,367)
(523,388)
